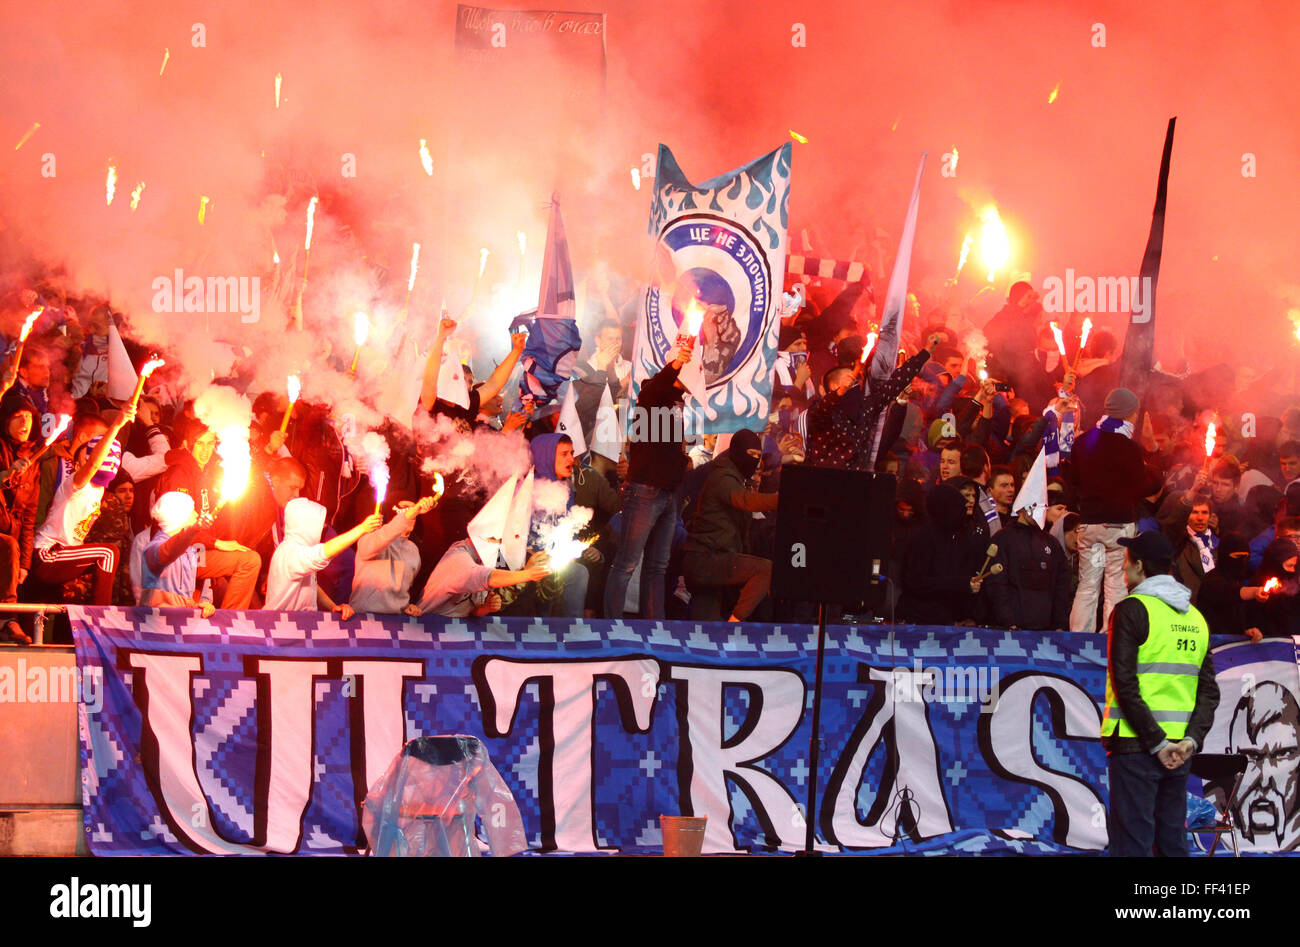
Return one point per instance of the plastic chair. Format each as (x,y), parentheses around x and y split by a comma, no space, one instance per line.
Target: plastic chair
(428,801)
(1216,770)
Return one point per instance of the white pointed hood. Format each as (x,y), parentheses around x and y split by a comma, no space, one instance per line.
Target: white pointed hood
(489,524)
(304,521)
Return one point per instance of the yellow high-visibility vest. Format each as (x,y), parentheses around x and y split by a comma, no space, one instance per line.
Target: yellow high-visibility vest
(1168,666)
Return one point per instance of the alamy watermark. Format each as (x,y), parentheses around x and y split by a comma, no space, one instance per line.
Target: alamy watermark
(42,684)
(181,293)
(1131,294)
(954,684)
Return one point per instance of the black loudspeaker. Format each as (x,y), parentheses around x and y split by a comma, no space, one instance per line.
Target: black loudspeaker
(833,529)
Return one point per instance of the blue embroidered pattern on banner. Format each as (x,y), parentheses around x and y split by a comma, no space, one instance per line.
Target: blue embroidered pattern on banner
(935,740)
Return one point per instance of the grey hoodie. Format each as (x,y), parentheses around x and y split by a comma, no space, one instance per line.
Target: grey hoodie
(1169,590)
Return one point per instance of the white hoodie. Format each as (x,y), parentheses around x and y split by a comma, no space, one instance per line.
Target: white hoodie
(291,581)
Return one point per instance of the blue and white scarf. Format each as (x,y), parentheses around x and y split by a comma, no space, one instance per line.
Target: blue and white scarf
(1206,544)
(1115,426)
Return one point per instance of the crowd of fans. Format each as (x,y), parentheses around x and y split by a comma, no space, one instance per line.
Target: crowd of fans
(125,507)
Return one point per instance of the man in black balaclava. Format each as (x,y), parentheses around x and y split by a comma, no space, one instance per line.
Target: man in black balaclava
(714,554)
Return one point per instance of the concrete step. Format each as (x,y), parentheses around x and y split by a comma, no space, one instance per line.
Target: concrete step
(42,830)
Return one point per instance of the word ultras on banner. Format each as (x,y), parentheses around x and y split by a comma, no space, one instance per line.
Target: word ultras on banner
(894,719)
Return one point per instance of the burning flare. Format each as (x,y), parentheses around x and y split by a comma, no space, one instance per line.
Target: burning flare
(29,322)
(311,220)
(1060,339)
(360,328)
(1055,91)
(797,137)
(295,389)
(110,185)
(869,345)
(236,462)
(995,248)
(965,252)
(426,159)
(135,195)
(204,201)
(482,260)
(636,178)
(1085,332)
(167,54)
(1272,585)
(1209,440)
(694,320)
(64,421)
(415,266)
(277,90)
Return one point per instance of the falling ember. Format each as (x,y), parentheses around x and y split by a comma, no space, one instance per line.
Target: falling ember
(30,132)
(894,127)
(995,248)
(311,219)
(965,252)
(29,322)
(277,90)
(135,195)
(1060,339)
(167,54)
(482,261)
(275,257)
(1052,98)
(797,137)
(64,421)
(426,159)
(1273,584)
(1209,440)
(110,185)
(360,327)
(204,201)
(415,266)
(636,178)
(954,159)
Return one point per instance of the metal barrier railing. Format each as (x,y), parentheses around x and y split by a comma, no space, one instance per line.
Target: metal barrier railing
(40,611)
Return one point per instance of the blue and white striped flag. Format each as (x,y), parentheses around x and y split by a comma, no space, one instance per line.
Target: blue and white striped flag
(553,339)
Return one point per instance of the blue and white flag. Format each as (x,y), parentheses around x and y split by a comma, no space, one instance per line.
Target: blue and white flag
(722,246)
(553,339)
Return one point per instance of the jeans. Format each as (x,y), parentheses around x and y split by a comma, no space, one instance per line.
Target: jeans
(1100,554)
(649,521)
(1148,806)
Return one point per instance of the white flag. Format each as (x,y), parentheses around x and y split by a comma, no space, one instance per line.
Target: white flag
(1033,492)
(451,381)
(488,526)
(569,423)
(606,439)
(514,543)
(121,375)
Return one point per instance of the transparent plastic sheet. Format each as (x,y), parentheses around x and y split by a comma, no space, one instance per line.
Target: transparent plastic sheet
(427,802)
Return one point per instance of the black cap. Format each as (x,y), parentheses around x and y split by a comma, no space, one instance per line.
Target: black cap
(1153,546)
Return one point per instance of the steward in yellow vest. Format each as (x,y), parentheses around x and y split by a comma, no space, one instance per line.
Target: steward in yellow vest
(1160,700)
